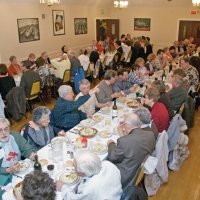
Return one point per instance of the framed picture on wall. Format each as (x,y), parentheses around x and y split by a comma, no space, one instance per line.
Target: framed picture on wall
(80,26)
(142,24)
(28,29)
(58,22)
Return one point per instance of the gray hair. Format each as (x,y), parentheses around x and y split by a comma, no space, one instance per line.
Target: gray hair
(178,80)
(144,115)
(87,162)
(63,90)
(71,53)
(133,120)
(4,121)
(84,82)
(39,112)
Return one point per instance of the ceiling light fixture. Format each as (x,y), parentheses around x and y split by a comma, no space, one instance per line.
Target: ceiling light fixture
(196,3)
(49,2)
(120,4)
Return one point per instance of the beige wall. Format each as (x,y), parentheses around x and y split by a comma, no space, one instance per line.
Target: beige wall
(9,42)
(164,22)
(164,26)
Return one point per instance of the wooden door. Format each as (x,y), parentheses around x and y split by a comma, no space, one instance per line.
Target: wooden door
(189,28)
(107,27)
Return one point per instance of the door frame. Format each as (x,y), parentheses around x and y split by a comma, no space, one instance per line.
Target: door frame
(178,22)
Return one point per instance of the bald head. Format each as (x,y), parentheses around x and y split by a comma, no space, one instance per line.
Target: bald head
(133,120)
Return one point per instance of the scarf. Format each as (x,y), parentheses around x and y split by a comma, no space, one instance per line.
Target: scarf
(11,152)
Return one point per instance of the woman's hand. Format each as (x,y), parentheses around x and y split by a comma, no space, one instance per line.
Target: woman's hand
(14,168)
(34,125)
(62,133)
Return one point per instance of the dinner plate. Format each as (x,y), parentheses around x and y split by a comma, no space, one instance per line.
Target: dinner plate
(43,162)
(88,132)
(133,104)
(77,142)
(98,118)
(105,134)
(99,148)
(69,177)
(17,190)
(106,109)
(24,165)
(87,122)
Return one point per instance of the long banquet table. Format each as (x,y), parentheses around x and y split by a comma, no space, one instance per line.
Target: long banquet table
(45,153)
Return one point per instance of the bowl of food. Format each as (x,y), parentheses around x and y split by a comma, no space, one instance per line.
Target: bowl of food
(24,165)
(98,118)
(105,134)
(43,162)
(87,123)
(88,132)
(99,148)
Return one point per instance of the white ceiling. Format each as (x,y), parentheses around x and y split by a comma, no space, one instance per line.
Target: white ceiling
(110,2)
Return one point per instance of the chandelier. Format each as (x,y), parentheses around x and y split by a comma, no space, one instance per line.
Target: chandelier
(196,3)
(120,4)
(49,2)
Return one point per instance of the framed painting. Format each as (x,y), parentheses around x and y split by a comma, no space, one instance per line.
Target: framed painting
(80,26)
(28,29)
(58,22)
(142,24)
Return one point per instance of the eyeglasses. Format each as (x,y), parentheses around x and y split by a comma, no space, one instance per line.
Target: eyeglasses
(6,129)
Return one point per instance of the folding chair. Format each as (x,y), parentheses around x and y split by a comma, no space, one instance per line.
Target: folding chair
(35,93)
(66,77)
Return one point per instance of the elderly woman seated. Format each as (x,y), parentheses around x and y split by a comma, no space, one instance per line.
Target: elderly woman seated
(12,147)
(100,180)
(39,133)
(159,113)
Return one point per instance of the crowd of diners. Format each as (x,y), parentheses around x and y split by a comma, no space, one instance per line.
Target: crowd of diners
(123,73)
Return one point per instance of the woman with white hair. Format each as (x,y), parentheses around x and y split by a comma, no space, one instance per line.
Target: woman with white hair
(39,133)
(100,179)
(12,147)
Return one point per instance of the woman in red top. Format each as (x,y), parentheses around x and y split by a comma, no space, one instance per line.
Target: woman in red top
(14,68)
(159,113)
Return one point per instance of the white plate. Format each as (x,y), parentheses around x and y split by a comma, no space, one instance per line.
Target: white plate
(98,118)
(106,109)
(69,177)
(87,122)
(105,134)
(24,165)
(99,148)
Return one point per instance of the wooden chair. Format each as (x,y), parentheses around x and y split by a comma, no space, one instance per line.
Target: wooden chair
(34,94)
(66,77)
(139,174)
(181,109)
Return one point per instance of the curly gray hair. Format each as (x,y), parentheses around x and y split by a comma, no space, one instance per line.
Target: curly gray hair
(39,112)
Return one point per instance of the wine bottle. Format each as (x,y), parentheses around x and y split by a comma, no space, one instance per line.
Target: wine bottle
(163,76)
(114,110)
(37,165)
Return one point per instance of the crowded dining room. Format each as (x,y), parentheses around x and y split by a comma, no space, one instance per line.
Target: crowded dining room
(99,100)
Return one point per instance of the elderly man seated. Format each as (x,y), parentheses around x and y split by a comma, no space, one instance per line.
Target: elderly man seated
(61,64)
(121,84)
(12,147)
(106,92)
(89,107)
(145,117)
(100,179)
(131,149)
(39,132)
(65,114)
(178,93)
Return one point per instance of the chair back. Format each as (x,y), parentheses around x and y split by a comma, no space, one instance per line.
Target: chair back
(140,173)
(66,76)
(181,109)
(35,90)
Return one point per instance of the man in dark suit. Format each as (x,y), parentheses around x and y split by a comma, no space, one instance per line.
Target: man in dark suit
(131,149)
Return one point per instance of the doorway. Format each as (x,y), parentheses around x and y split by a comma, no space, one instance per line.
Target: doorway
(107,27)
(189,28)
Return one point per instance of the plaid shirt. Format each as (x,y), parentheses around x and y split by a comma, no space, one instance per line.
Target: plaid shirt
(133,79)
(66,114)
